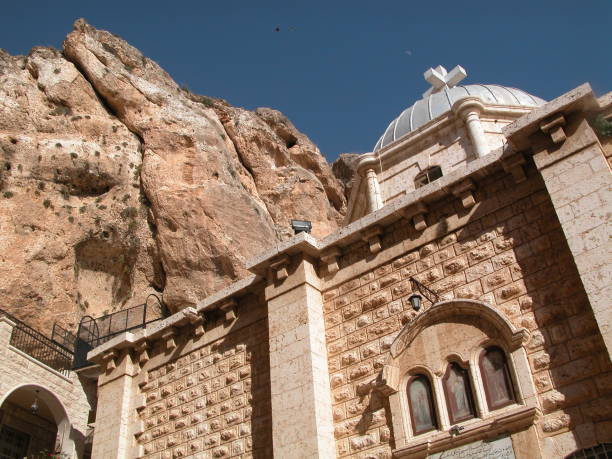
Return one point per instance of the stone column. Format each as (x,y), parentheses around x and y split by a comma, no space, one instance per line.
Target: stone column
(469,110)
(579,181)
(374,195)
(366,167)
(302,424)
(115,411)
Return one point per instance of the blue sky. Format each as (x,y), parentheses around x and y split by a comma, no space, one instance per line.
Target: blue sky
(340,70)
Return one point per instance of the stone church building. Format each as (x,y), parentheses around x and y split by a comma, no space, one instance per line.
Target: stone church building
(462,311)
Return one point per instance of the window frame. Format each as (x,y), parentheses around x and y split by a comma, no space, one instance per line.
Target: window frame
(425,173)
(431,400)
(469,391)
(507,376)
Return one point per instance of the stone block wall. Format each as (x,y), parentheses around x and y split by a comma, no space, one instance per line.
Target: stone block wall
(580,186)
(513,255)
(446,148)
(213,401)
(19,369)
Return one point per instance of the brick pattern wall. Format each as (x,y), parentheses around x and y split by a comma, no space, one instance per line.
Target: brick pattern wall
(515,259)
(212,402)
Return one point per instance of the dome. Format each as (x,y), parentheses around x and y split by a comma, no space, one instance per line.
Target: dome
(435,104)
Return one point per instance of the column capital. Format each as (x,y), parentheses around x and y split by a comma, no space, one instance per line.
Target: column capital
(467,106)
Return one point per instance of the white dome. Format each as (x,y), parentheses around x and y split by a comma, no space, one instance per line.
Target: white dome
(433,105)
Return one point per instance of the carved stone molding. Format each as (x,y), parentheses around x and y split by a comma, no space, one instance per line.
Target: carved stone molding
(110,360)
(389,380)
(554,128)
(372,237)
(329,259)
(416,212)
(465,192)
(142,349)
(514,165)
(515,337)
(513,420)
(229,308)
(168,337)
(279,267)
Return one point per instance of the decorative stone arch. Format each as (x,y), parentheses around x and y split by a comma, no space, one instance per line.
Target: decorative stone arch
(457,330)
(69,438)
(443,310)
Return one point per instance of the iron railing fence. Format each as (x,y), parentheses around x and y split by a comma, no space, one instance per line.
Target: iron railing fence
(63,337)
(38,346)
(93,332)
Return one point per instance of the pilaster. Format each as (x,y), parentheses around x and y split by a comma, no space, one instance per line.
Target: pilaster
(577,175)
(6,330)
(115,413)
(302,424)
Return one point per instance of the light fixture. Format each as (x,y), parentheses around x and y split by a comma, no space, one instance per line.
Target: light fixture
(415,301)
(34,406)
(300,226)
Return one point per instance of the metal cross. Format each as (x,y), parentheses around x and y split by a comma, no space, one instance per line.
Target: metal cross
(439,78)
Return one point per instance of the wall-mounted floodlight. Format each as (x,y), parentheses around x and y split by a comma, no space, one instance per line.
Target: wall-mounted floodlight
(301,225)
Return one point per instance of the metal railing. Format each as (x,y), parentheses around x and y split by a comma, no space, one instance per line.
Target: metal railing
(63,337)
(93,332)
(38,346)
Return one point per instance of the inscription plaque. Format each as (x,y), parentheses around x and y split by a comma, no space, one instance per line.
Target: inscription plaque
(500,448)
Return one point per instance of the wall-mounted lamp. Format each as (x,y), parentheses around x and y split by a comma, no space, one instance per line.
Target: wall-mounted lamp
(34,406)
(416,299)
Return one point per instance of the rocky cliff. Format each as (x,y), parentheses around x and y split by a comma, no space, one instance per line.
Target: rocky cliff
(117,183)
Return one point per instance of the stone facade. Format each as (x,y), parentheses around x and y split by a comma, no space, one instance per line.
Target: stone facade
(73,397)
(311,355)
(201,388)
(515,259)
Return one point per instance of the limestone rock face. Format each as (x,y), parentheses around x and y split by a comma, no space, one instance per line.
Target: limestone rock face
(74,237)
(117,183)
(292,178)
(344,169)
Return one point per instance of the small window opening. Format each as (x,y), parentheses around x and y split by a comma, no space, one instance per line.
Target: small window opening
(427,176)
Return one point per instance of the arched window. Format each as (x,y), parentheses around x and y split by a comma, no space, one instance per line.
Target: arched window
(421,403)
(458,393)
(496,378)
(427,176)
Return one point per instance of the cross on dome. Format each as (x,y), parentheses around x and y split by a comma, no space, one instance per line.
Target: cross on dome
(439,78)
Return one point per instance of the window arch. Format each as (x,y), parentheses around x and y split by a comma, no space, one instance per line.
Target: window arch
(421,404)
(458,393)
(427,176)
(466,349)
(498,387)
